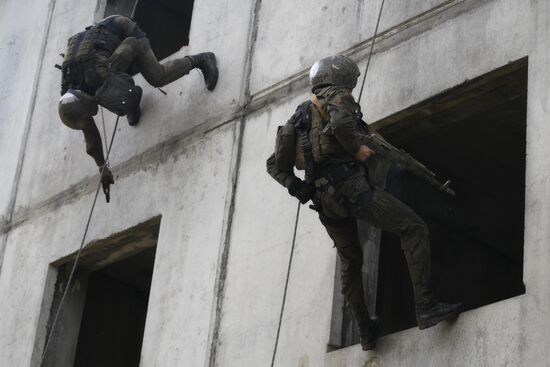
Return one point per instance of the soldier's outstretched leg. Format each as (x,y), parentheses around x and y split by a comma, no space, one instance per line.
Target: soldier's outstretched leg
(389,214)
(159,74)
(345,236)
(133,50)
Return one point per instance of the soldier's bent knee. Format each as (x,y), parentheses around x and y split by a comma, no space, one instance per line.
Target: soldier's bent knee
(414,234)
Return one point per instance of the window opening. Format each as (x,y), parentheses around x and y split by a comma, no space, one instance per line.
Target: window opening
(113,319)
(120,7)
(166,22)
(474,134)
(103,318)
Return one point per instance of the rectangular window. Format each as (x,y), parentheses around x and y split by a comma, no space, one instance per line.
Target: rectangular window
(103,317)
(167,23)
(474,134)
(120,7)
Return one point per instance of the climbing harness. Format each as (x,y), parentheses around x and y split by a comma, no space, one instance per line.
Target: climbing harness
(77,257)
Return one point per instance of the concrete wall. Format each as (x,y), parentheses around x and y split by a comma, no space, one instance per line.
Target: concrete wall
(22,50)
(198,159)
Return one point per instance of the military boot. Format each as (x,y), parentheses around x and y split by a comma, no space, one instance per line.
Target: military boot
(134,115)
(430,316)
(206,63)
(369,332)
(368,326)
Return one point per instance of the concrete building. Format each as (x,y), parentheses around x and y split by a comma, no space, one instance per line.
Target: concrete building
(187,265)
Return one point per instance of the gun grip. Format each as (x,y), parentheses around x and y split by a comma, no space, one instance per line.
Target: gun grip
(107,192)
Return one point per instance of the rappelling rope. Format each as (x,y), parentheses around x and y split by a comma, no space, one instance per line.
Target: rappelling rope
(71,275)
(286,285)
(104,131)
(299,205)
(371,50)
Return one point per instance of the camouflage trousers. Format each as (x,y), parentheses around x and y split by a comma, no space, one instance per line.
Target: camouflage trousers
(384,211)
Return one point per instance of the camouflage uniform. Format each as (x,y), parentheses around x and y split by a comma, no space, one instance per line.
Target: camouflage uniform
(348,195)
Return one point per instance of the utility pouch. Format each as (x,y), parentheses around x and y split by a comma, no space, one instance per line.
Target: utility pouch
(119,94)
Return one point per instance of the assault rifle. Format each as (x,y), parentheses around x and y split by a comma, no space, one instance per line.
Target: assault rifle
(405,160)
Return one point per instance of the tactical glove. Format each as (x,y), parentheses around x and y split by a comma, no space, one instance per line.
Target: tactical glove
(301,190)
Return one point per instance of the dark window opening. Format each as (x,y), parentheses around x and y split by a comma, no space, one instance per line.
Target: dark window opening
(120,7)
(102,320)
(166,22)
(114,314)
(474,134)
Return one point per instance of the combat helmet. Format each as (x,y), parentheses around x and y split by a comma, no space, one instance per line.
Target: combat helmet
(75,107)
(334,70)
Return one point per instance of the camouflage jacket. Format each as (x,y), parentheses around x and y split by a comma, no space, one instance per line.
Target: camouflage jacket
(335,135)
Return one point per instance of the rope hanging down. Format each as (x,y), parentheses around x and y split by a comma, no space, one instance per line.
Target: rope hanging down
(371,50)
(104,131)
(286,285)
(71,275)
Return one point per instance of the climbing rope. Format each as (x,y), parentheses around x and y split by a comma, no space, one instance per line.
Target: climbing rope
(104,131)
(371,50)
(299,205)
(286,285)
(75,263)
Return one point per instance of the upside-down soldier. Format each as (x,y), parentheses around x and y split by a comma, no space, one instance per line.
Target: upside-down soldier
(95,71)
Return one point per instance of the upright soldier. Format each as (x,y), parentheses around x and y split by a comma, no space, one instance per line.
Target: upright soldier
(95,68)
(325,138)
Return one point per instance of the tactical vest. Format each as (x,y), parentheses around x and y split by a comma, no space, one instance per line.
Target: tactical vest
(79,64)
(323,141)
(311,137)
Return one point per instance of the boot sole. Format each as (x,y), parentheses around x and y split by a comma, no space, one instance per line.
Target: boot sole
(216,74)
(427,325)
(369,346)
(211,87)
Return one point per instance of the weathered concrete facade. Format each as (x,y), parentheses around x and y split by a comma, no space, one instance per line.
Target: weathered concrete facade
(198,160)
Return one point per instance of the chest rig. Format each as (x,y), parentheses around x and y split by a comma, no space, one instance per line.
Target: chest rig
(79,64)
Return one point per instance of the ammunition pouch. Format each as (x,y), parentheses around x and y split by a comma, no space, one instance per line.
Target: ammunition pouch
(119,94)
